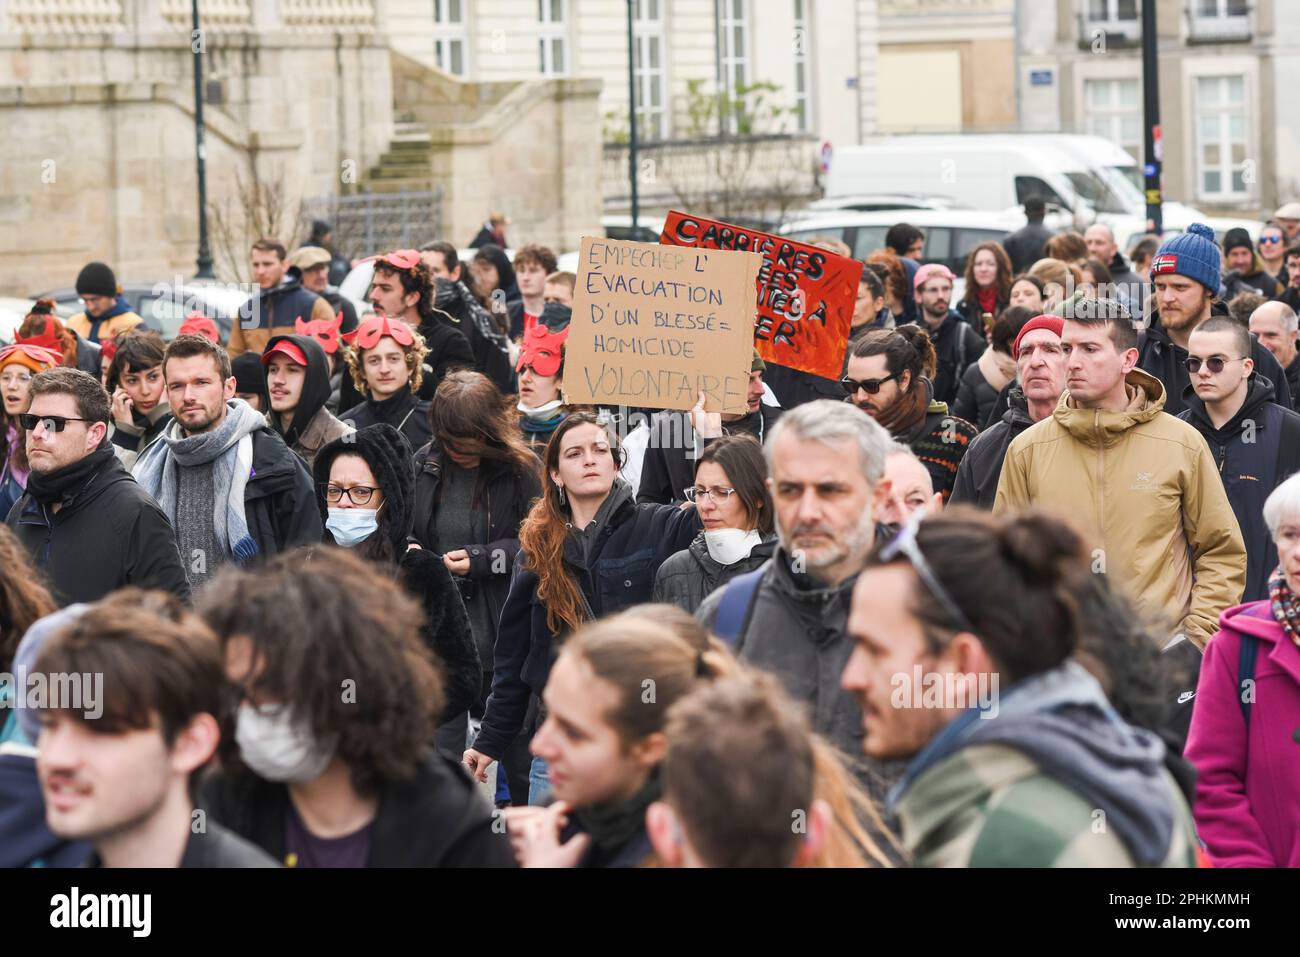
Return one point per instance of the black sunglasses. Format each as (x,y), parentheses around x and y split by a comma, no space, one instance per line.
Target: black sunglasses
(869,386)
(1215,364)
(52,423)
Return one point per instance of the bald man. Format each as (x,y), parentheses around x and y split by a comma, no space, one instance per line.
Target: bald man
(1274,325)
(1101,244)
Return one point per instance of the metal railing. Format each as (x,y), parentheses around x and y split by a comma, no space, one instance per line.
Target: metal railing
(369,223)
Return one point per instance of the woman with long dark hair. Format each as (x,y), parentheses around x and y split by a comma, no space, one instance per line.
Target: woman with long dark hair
(365,489)
(587,550)
(474,483)
(141,412)
(988,285)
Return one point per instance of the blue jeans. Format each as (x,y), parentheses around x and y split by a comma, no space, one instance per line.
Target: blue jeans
(539,784)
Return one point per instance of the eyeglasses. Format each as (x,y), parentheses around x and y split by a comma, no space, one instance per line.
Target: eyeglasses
(357,494)
(905,544)
(1215,364)
(869,386)
(19,378)
(717,494)
(52,423)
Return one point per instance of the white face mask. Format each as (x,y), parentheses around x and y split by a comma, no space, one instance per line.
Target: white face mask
(276,748)
(542,412)
(729,545)
(352,526)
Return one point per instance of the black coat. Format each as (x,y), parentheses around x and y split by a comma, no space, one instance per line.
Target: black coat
(110,533)
(669,464)
(1167,361)
(489,358)
(279,501)
(619,572)
(90,357)
(506,497)
(1026,245)
(438,818)
(975,396)
(956,346)
(403,411)
(981,466)
(691,575)
(1255,450)
(793,388)
(446,630)
(449,349)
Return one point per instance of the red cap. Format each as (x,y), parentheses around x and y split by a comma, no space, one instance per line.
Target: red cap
(1054,323)
(290,349)
(542,349)
(366,335)
(197,324)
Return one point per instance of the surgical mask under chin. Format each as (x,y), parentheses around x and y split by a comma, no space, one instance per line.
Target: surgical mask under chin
(276,748)
(729,545)
(352,526)
(542,412)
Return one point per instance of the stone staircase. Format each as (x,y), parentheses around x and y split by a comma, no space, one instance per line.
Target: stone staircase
(405,165)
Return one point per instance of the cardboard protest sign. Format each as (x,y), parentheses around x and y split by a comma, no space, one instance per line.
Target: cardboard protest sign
(654,326)
(806,294)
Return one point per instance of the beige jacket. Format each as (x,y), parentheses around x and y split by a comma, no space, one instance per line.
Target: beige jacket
(1143,486)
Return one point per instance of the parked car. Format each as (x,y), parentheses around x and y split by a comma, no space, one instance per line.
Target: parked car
(163,307)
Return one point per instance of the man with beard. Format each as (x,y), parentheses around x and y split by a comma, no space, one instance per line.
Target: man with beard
(826,464)
(886,379)
(224,478)
(1185,273)
(956,344)
(1040,369)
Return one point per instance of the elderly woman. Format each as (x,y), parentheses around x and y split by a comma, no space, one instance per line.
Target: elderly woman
(1244,739)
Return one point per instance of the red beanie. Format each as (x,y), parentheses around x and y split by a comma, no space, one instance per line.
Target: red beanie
(1055,323)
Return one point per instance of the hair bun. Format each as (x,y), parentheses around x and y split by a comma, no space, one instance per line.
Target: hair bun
(1044,548)
(44,307)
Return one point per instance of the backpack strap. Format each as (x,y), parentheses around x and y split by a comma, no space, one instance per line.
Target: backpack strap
(736,607)
(1246,671)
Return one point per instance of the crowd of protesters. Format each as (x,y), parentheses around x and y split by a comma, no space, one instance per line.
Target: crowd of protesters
(366,590)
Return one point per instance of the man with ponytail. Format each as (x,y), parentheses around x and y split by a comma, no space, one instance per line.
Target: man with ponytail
(966,628)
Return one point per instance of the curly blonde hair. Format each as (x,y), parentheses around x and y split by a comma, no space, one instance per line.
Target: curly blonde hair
(414,353)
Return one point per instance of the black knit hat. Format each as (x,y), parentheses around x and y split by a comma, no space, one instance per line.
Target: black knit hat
(250,376)
(1235,238)
(96,279)
(389,456)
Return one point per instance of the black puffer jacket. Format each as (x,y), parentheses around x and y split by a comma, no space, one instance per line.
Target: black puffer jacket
(627,543)
(403,411)
(505,495)
(975,396)
(691,575)
(447,630)
(977,475)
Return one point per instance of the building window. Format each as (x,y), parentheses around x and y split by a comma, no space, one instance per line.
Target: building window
(648,66)
(1219,20)
(1220,8)
(552,45)
(1112,11)
(733,26)
(1115,113)
(1221,136)
(802,102)
(449,39)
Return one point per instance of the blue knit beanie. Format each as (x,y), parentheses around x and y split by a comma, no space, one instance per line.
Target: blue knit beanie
(1193,254)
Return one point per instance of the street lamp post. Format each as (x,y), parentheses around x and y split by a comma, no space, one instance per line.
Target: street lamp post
(631,111)
(200,152)
(1153,145)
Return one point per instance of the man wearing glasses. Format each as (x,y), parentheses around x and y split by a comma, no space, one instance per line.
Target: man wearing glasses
(826,464)
(1141,484)
(1255,442)
(87,524)
(1274,325)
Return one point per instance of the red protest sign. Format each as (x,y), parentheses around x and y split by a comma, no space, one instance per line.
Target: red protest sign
(806,294)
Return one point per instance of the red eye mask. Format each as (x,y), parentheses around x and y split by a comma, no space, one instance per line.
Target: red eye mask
(543,350)
(47,338)
(368,334)
(326,333)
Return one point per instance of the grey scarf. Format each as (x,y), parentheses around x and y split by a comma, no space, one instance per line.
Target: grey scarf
(229,451)
(449,292)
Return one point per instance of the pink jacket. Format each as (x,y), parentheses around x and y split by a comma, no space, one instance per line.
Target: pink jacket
(1248,784)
